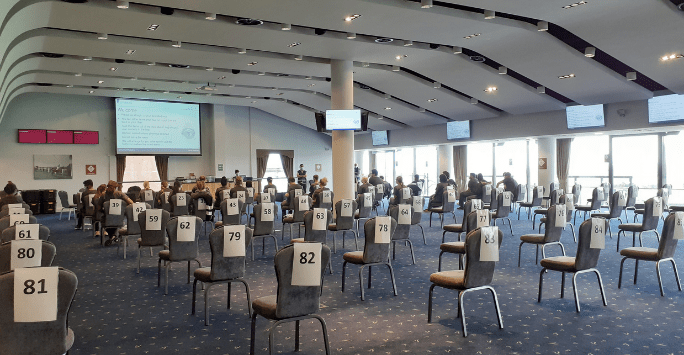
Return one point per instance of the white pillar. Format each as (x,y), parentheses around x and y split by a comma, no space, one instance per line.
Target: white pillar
(342,87)
(445,158)
(547,150)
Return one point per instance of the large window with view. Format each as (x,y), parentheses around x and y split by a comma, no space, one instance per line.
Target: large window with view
(635,160)
(141,168)
(588,164)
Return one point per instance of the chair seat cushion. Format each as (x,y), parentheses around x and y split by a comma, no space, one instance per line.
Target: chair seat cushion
(203,274)
(288,220)
(639,211)
(436,209)
(266,306)
(354,257)
(533,238)
(630,227)
(165,255)
(640,253)
(583,208)
(541,211)
(602,215)
(449,279)
(455,228)
(526,204)
(453,247)
(559,263)
(297,240)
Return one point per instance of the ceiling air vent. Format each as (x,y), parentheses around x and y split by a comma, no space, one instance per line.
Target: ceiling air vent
(477,58)
(383,40)
(249,22)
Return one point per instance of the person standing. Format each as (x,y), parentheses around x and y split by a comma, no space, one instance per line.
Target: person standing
(301,176)
(357,173)
(415,188)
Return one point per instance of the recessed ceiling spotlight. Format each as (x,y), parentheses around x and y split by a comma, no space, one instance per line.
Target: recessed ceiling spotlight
(631,76)
(113,69)
(122,4)
(490,89)
(388,96)
(298,57)
(473,35)
(365,64)
(285,26)
(351,35)
(436,85)
(176,44)
(308,78)
(252,63)
(261,73)
(254,102)
(541,89)
(151,64)
(383,40)
(381,117)
(249,22)
(566,76)
(542,26)
(221,77)
(70,86)
(574,5)
(102,36)
(457,50)
(311,85)
(420,109)
(248,97)
(590,52)
(396,68)
(503,70)
(78,74)
(671,57)
(91,91)
(87,58)
(179,97)
(432,100)
(100,81)
(153,27)
(408,43)
(167,91)
(280,94)
(134,78)
(388,108)
(130,51)
(209,69)
(210,16)
(474,101)
(293,44)
(242,51)
(425,4)
(179,66)
(351,18)
(489,14)
(231,85)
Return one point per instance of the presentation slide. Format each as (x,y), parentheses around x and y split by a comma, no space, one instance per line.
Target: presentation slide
(585,116)
(32,136)
(60,137)
(458,130)
(666,108)
(379,138)
(155,127)
(342,119)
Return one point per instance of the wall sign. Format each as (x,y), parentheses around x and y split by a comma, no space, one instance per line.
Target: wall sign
(542,163)
(91,169)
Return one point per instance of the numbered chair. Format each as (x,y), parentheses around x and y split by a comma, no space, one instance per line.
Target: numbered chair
(606,193)
(291,199)
(148,196)
(503,209)
(48,252)
(6,210)
(344,224)
(76,200)
(179,248)
(249,200)
(584,261)
(576,193)
(262,198)
(472,221)
(632,193)
(132,228)
(648,224)
(402,214)
(594,205)
(402,196)
(6,222)
(263,226)
(478,274)
(417,215)
(326,199)
(487,192)
(315,228)
(460,228)
(448,202)
(614,212)
(537,195)
(227,264)
(493,199)
(301,205)
(291,303)
(569,207)
(164,199)
(664,195)
(551,236)
(665,252)
(521,195)
(554,198)
(70,208)
(203,210)
(364,212)
(378,197)
(375,252)
(180,204)
(230,212)
(11,233)
(112,220)
(89,213)
(42,337)
(152,226)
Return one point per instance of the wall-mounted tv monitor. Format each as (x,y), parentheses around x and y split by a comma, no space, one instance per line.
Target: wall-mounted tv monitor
(86,137)
(60,137)
(156,127)
(666,108)
(458,130)
(342,120)
(379,138)
(32,136)
(585,116)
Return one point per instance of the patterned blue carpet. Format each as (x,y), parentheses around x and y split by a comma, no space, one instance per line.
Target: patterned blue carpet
(118,312)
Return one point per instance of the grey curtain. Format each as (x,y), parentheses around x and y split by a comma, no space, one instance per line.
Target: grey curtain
(262,160)
(162,162)
(563,161)
(120,167)
(288,163)
(460,175)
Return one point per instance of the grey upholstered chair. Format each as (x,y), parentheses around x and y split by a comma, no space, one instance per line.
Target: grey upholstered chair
(23,204)
(447,207)
(5,210)
(111,220)
(403,231)
(364,211)
(290,303)
(614,212)
(230,219)
(41,337)
(476,276)
(665,252)
(648,224)
(373,254)
(203,209)
(378,197)
(551,236)
(48,252)
(493,198)
(521,195)
(132,228)
(326,199)
(632,193)
(223,270)
(10,233)
(5,222)
(584,261)
(399,197)
(594,205)
(178,251)
(177,209)
(502,211)
(64,200)
(569,207)
(148,196)
(262,229)
(459,228)
(149,237)
(537,195)
(554,198)
(312,235)
(417,217)
(344,224)
(470,223)
(576,193)
(164,198)
(665,196)
(297,217)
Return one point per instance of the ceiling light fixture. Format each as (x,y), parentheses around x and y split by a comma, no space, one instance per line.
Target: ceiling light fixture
(457,50)
(91,91)
(130,51)
(388,108)
(574,5)
(254,102)
(489,14)
(102,36)
(671,57)
(122,4)
(351,18)
(590,52)
(351,35)
(631,76)
(113,69)
(293,44)
(436,85)
(542,26)
(87,58)
(503,70)
(70,86)
(490,89)
(285,26)
(383,40)
(396,68)
(176,44)
(221,77)
(231,85)
(472,35)
(242,51)
(134,78)
(308,78)
(425,4)
(249,22)
(252,63)
(388,96)
(298,57)
(78,74)
(100,81)
(365,64)
(209,69)
(261,73)
(408,43)
(153,27)
(210,16)
(541,89)
(474,101)
(151,64)
(566,76)
(432,100)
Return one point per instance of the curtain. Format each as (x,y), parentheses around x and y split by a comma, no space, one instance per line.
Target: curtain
(287,165)
(262,161)
(460,175)
(563,161)
(120,167)
(162,162)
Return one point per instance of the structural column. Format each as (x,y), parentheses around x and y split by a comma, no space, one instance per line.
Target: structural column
(342,85)
(547,162)
(445,159)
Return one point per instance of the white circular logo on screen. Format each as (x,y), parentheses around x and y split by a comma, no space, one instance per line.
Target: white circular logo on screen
(188,133)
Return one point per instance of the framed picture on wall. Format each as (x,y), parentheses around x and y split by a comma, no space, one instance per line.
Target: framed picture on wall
(50,167)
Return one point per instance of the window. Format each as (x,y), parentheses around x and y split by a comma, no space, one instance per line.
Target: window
(674,145)
(588,165)
(480,159)
(274,169)
(404,158)
(635,160)
(426,167)
(141,168)
(511,157)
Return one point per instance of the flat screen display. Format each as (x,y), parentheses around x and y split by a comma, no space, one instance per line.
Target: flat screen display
(458,130)
(380,138)
(342,120)
(32,136)
(86,137)
(156,127)
(60,137)
(585,116)
(666,108)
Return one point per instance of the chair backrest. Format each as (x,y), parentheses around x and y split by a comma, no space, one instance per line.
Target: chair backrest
(501,210)
(114,220)
(665,195)
(478,273)
(261,227)
(586,257)
(568,209)
(5,208)
(132,216)
(615,209)
(89,205)
(553,187)
(554,197)
(48,252)
(403,230)
(446,205)
(76,200)
(298,215)
(650,222)
(595,202)
(376,252)
(149,197)
(226,268)
(668,187)
(537,196)
(152,237)
(471,222)
(379,192)
(364,211)
(207,201)
(291,198)
(180,251)
(180,210)
(231,218)
(6,212)
(551,232)
(9,233)
(487,193)
(326,198)
(417,212)
(5,222)
(577,193)
(63,198)
(494,198)
(294,301)
(163,197)
(668,245)
(249,195)
(345,223)
(522,192)
(606,189)
(41,337)
(311,235)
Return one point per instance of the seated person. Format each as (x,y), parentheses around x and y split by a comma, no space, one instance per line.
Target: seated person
(270,185)
(450,181)
(414,186)
(88,190)
(474,189)
(436,199)
(177,189)
(202,179)
(509,184)
(238,187)
(364,186)
(314,185)
(317,197)
(112,192)
(11,195)
(160,194)
(483,182)
(146,187)
(397,191)
(387,188)
(374,179)
(290,188)
(203,194)
(218,195)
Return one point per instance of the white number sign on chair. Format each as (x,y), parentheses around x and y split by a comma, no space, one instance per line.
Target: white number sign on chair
(306,264)
(35,294)
(622,199)
(181,199)
(232,206)
(404,216)
(303,203)
(137,208)
(540,191)
(250,192)
(16,210)
(476,204)
(18,219)
(115,206)
(297,192)
(265,198)
(598,233)
(679,225)
(657,206)
(379,188)
(449,188)
(405,193)
(149,196)
(346,208)
(451,196)
(15,205)
(371,190)
(267,212)
(382,229)
(327,198)
(320,219)
(26,253)
(153,222)
(561,216)
(225,194)
(242,195)
(507,198)
(234,241)
(90,201)
(271,191)
(600,195)
(482,218)
(418,203)
(367,199)
(186,228)
(201,204)
(487,190)
(489,244)
(26,231)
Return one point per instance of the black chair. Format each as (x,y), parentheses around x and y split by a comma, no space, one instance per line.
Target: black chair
(614,212)
(537,195)
(230,212)
(569,207)
(180,202)
(471,222)
(263,228)
(344,224)
(576,193)
(584,261)
(521,195)
(311,234)
(448,202)
(364,212)
(648,224)
(632,193)
(417,216)
(554,199)
(6,222)
(301,205)
(664,196)
(71,208)
(112,221)
(178,250)
(503,208)
(401,234)
(594,205)
(551,236)
(132,228)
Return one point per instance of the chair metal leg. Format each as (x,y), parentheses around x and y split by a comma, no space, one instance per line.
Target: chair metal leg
(423,232)
(369,275)
(432,287)
(600,282)
(413,257)
(622,263)
(660,281)
(536,257)
(636,269)
(363,296)
(439,264)
(159,272)
(138,271)
(194,296)
(562,284)
(296,335)
(674,267)
(496,305)
(574,291)
(541,282)
(510,225)
(461,313)
(166,278)
(574,237)
(252,340)
(394,284)
(519,251)
(344,269)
